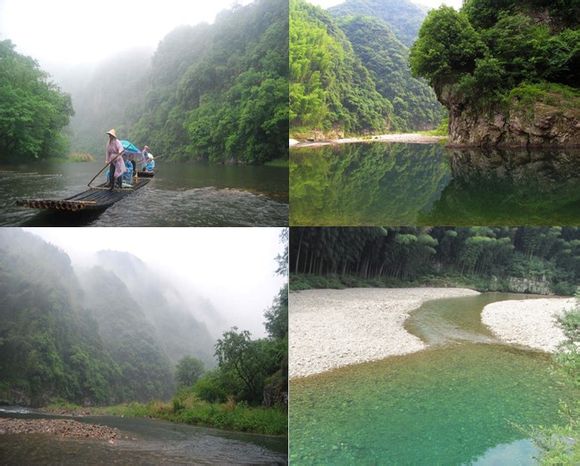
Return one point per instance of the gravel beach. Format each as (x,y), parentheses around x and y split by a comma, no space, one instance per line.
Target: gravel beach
(529,322)
(60,427)
(335,328)
(407,138)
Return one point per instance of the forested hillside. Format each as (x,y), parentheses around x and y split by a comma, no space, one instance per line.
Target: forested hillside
(215,92)
(359,51)
(403,16)
(415,105)
(506,70)
(81,337)
(536,260)
(145,370)
(33,110)
(330,89)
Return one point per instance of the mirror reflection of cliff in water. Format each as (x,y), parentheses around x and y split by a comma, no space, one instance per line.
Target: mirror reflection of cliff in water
(428,184)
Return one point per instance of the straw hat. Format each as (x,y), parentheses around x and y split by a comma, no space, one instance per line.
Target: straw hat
(112,132)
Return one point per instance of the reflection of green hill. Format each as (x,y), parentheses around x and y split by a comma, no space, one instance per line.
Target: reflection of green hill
(510,188)
(407,184)
(365,184)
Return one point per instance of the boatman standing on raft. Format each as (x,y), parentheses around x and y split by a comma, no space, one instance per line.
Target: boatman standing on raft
(115,160)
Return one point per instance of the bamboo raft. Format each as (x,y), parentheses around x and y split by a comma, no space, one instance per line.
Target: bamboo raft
(97,198)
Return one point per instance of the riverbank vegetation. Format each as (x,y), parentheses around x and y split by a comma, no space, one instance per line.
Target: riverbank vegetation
(349,72)
(80,157)
(540,260)
(186,408)
(487,49)
(33,110)
(210,92)
(561,444)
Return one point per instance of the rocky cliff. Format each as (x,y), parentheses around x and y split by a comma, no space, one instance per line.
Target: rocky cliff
(551,120)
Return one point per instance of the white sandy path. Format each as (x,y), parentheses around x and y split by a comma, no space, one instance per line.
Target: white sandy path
(334,328)
(530,322)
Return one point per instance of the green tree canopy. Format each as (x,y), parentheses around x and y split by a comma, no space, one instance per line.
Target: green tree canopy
(188,371)
(447,46)
(33,111)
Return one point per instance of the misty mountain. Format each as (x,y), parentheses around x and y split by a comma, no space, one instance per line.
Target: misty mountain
(88,336)
(49,343)
(217,92)
(179,332)
(106,95)
(131,340)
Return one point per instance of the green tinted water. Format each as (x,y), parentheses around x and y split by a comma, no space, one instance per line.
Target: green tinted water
(428,184)
(456,403)
(456,319)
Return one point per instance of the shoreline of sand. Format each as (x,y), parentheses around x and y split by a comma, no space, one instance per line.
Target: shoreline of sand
(529,322)
(406,138)
(336,328)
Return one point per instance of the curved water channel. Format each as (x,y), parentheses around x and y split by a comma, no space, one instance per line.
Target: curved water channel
(181,194)
(150,442)
(467,399)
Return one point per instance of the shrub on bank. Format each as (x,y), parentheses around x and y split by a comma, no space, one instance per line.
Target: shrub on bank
(81,157)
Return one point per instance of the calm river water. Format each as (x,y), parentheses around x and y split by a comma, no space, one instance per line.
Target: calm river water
(152,442)
(181,194)
(428,184)
(466,400)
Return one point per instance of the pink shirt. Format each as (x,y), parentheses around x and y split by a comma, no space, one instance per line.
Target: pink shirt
(114,148)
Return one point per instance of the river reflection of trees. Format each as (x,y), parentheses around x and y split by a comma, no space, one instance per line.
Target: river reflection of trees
(412,184)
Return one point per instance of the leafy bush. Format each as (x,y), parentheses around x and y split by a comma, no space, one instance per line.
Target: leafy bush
(210,387)
(561,444)
(491,47)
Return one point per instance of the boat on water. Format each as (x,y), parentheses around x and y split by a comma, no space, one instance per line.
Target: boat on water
(98,198)
(101,197)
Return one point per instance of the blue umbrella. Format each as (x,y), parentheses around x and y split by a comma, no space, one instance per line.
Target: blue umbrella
(130,147)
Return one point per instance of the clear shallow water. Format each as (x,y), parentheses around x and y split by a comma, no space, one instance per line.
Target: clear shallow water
(151,442)
(181,194)
(459,402)
(428,184)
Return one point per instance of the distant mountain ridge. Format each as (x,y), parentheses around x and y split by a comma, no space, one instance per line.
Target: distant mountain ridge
(404,17)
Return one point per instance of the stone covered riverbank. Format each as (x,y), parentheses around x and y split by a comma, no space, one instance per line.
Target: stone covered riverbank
(530,322)
(64,428)
(335,328)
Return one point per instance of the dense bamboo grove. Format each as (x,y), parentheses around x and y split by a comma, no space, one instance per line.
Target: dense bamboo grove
(546,254)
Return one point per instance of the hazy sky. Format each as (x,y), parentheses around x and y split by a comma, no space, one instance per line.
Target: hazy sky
(428,3)
(75,31)
(233,267)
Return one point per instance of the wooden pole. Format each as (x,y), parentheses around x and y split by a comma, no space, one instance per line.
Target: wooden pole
(103,169)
